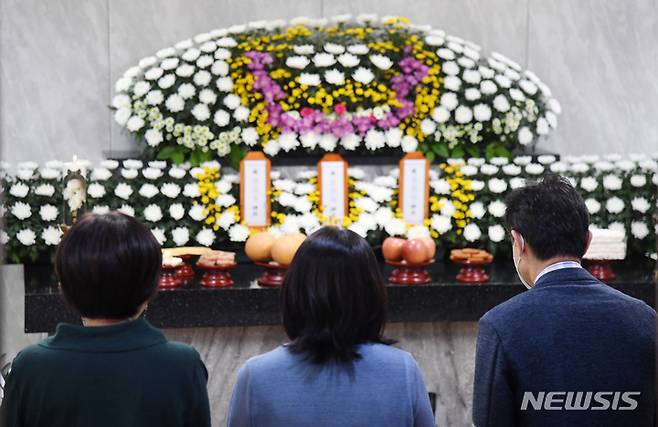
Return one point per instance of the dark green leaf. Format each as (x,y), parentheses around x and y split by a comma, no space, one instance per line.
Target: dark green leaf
(441,150)
(430,156)
(167,152)
(472,150)
(457,152)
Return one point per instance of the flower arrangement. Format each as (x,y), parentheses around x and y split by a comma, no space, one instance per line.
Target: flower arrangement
(346,84)
(184,205)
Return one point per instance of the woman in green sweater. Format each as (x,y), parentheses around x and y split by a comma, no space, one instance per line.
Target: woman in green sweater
(115,369)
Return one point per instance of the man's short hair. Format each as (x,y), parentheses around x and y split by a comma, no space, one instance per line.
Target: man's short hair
(551,216)
(108,265)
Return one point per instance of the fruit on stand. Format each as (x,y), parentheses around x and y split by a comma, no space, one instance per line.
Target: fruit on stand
(392,248)
(430,244)
(415,251)
(259,246)
(285,247)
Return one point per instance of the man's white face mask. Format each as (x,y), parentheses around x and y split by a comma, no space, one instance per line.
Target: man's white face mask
(517,258)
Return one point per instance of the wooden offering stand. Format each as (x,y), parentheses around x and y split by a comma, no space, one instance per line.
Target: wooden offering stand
(273,274)
(216,276)
(185,270)
(409,274)
(169,279)
(601,269)
(472,271)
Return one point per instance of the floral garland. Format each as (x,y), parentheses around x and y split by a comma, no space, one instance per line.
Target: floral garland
(184,205)
(359,84)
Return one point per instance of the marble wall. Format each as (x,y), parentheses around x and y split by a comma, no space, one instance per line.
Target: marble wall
(59,60)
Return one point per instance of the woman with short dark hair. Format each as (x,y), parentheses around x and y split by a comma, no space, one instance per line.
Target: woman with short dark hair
(116,369)
(338,370)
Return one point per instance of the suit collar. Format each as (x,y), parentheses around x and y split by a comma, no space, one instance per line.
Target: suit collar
(566,276)
(124,336)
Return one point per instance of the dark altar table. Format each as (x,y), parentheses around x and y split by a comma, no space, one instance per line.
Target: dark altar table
(246,304)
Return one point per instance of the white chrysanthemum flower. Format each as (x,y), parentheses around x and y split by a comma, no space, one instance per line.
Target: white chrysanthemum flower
(503,81)
(309,79)
(46,190)
(241,114)
(466,63)
(224,84)
(167,81)
(204,61)
(310,140)
(640,204)
(450,68)
(152,173)
(148,191)
(180,236)
(472,76)
(487,87)
(219,68)
(472,232)
(197,213)
(501,103)
(176,211)
(175,103)
(469,170)
(297,62)
(589,184)
(614,205)
(409,144)
(515,183)
(122,115)
(638,181)
(232,101)
(350,141)
(334,77)
(123,84)
(463,114)
(428,126)
(25,174)
(497,186)
(446,54)
(129,173)
(154,97)
(328,142)
(21,210)
(440,186)
(135,123)
(238,233)
(305,49)
(348,60)
(191,54)
(170,190)
(440,114)
(358,49)
(205,237)
(449,101)
(322,60)
(19,190)
(27,237)
(153,74)
(202,78)
(447,208)
(472,94)
(639,230)
(123,191)
(496,233)
(185,70)
(482,112)
(271,147)
(375,140)
(96,190)
(488,169)
(497,208)
(201,112)
(534,169)
(363,75)
(395,227)
(380,61)
(441,223)
(48,213)
(434,40)
(191,191)
(525,136)
(51,235)
(121,101)
(153,137)
(288,141)
(452,83)
(169,64)
(612,182)
(221,118)
(593,206)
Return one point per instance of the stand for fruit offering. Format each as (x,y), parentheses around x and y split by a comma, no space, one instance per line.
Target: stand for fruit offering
(601,269)
(472,271)
(169,278)
(185,270)
(272,276)
(217,276)
(409,274)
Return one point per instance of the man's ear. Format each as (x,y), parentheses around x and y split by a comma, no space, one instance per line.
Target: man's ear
(517,239)
(588,241)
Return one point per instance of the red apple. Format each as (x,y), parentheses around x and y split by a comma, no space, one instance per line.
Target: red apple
(430,245)
(392,248)
(414,251)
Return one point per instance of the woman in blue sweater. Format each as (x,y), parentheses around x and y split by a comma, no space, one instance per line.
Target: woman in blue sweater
(337,370)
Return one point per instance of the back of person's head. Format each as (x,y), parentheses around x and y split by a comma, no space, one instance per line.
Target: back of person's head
(333,296)
(551,216)
(108,265)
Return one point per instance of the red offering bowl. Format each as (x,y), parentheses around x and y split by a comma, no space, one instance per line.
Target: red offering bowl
(409,274)
(216,276)
(601,269)
(472,271)
(185,270)
(169,279)
(273,274)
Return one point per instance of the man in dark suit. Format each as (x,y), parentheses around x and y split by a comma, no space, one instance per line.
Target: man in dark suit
(570,351)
